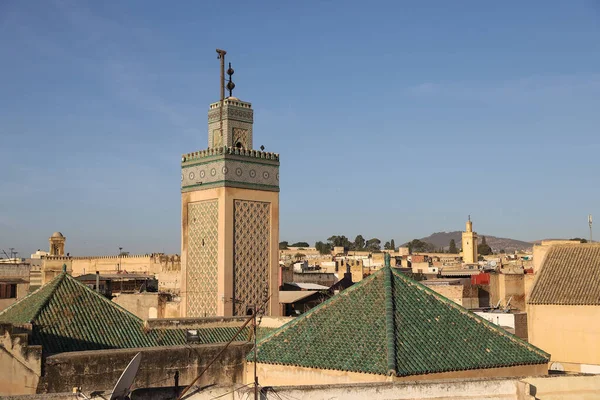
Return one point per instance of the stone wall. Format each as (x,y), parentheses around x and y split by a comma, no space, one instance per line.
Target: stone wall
(541,388)
(319,278)
(20,270)
(145,305)
(166,268)
(20,364)
(567,387)
(100,370)
(505,287)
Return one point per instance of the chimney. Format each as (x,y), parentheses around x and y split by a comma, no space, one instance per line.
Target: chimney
(97,281)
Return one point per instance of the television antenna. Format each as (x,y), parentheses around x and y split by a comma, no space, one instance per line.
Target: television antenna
(123,387)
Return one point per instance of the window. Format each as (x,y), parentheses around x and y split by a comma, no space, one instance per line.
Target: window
(8,290)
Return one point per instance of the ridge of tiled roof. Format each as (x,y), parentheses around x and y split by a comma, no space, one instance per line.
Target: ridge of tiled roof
(569,275)
(389,324)
(66,315)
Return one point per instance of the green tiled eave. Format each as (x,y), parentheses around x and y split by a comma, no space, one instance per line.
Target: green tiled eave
(390,324)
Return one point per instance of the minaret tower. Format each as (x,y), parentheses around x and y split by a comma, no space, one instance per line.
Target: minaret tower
(469,244)
(230,216)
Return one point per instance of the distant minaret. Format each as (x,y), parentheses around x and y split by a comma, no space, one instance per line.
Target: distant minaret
(229,216)
(469,244)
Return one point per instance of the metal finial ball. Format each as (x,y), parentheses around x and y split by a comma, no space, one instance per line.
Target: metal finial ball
(230,70)
(230,85)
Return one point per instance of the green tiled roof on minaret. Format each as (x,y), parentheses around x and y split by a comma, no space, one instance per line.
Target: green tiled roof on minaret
(391,325)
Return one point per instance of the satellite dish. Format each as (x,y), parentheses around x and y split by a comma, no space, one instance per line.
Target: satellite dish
(123,386)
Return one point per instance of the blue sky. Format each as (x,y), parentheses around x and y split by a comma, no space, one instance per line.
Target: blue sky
(393,119)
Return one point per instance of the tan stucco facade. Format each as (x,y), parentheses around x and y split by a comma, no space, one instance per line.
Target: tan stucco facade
(285,375)
(571,334)
(507,287)
(20,364)
(225,197)
(166,268)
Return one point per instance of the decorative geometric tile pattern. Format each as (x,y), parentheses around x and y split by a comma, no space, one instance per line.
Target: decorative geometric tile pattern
(230,170)
(251,253)
(202,267)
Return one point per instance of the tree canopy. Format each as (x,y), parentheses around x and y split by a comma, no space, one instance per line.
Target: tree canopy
(300,244)
(418,246)
(359,243)
(580,240)
(283,245)
(323,248)
(484,249)
(452,248)
(339,241)
(373,244)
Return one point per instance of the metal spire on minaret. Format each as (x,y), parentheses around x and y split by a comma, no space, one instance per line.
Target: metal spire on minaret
(230,84)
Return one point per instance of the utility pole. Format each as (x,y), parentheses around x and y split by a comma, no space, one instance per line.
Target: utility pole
(255,351)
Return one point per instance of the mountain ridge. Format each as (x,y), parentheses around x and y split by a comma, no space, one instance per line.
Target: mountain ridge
(442,240)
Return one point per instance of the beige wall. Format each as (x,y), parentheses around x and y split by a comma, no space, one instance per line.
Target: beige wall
(420,267)
(20,364)
(166,268)
(226,197)
(571,334)
(543,388)
(452,292)
(528,280)
(144,305)
(22,291)
(505,286)
(284,375)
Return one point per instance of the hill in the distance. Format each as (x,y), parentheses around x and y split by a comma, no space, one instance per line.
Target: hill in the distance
(442,239)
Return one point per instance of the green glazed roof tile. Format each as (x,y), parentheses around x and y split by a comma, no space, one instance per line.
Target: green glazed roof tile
(68,316)
(390,324)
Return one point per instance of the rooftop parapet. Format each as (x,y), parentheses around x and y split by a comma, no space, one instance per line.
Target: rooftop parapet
(231,101)
(216,151)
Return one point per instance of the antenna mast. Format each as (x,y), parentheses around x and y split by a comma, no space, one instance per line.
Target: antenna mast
(590,222)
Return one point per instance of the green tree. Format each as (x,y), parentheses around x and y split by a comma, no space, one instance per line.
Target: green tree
(359,243)
(373,244)
(283,245)
(502,251)
(580,240)
(339,241)
(300,244)
(387,246)
(452,248)
(419,246)
(484,249)
(323,248)
(299,256)
(392,245)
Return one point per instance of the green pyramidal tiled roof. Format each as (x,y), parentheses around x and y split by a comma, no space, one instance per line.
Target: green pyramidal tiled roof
(68,316)
(390,324)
